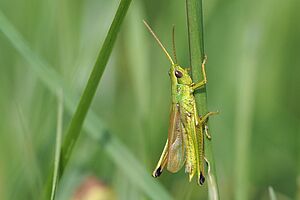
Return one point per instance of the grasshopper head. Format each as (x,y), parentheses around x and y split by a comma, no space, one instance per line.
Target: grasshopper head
(180,74)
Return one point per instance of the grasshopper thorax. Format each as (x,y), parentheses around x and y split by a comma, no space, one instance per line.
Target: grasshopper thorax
(180,75)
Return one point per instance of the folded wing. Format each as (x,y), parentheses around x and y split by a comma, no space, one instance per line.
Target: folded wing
(176,149)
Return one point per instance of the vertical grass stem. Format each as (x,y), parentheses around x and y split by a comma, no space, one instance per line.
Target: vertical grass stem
(197,54)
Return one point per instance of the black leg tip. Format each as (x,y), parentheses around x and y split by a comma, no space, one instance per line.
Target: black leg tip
(157,172)
(201,179)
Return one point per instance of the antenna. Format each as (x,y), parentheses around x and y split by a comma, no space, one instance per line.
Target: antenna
(159,42)
(173,43)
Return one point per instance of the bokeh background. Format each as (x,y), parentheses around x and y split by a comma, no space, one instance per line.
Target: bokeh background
(253,72)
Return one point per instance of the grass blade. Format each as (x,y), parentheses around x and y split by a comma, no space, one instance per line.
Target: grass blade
(196,45)
(245,102)
(118,152)
(91,87)
(58,143)
(212,185)
(272,193)
(86,98)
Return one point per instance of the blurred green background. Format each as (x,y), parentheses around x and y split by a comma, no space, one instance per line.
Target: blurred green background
(253,71)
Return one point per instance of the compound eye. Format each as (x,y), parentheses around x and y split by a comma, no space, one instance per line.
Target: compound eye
(178,74)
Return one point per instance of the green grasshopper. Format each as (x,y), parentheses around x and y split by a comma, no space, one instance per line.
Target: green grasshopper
(185,143)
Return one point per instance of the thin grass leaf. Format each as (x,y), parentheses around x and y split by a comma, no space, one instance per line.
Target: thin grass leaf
(212,185)
(196,47)
(58,143)
(118,152)
(244,111)
(29,156)
(86,98)
(272,193)
(91,87)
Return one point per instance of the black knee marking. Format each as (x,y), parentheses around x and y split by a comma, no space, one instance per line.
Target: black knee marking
(157,172)
(201,179)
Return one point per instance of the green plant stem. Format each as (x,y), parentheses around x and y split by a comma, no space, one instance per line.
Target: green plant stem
(196,47)
(91,87)
(86,98)
(59,129)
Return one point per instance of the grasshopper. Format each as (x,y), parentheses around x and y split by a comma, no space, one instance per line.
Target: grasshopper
(185,143)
